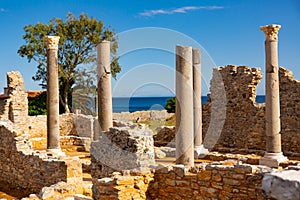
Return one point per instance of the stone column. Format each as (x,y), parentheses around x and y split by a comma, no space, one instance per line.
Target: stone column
(52,95)
(104,86)
(199,149)
(273,155)
(184,107)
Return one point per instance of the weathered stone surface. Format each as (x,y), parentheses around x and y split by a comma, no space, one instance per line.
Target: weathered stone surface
(14,105)
(246,133)
(236,112)
(142,116)
(282,185)
(29,171)
(165,136)
(178,182)
(104,85)
(122,148)
(184,106)
(159,153)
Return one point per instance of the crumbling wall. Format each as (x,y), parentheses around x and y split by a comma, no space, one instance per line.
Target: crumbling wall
(243,119)
(25,171)
(244,124)
(14,103)
(77,130)
(223,180)
(142,116)
(124,147)
(22,168)
(289,111)
(233,120)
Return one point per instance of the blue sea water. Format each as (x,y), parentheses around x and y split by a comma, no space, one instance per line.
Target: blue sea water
(132,104)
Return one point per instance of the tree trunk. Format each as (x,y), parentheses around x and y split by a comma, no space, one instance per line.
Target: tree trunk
(64,98)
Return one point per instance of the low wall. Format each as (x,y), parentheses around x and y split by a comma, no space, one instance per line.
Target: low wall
(142,116)
(223,180)
(24,171)
(74,129)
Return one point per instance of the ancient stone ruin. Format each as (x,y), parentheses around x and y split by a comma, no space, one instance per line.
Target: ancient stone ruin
(128,160)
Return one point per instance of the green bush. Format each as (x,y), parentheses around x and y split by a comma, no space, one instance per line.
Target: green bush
(38,105)
(170,105)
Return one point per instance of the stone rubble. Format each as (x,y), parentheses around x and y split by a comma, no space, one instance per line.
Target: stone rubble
(122,148)
(282,185)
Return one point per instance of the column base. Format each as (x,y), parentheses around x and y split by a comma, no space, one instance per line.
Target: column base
(200,152)
(272,159)
(56,152)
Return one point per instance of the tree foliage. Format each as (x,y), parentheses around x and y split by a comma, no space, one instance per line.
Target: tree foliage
(170,105)
(85,91)
(78,39)
(37,106)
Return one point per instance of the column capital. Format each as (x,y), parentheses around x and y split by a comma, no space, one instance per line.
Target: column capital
(52,42)
(271,31)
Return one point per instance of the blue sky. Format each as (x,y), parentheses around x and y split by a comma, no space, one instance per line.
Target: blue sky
(227,32)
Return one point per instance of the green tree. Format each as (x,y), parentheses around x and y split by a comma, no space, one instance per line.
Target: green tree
(78,39)
(85,91)
(37,105)
(170,105)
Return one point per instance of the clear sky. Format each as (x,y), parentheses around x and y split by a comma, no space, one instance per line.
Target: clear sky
(227,32)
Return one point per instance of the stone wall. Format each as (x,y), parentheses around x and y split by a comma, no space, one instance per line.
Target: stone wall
(125,147)
(231,117)
(223,180)
(232,120)
(14,103)
(243,119)
(125,185)
(142,116)
(24,171)
(289,111)
(74,129)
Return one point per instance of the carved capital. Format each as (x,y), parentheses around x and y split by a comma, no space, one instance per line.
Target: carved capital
(52,42)
(271,31)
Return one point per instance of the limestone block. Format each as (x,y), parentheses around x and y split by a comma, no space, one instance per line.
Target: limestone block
(283,185)
(122,148)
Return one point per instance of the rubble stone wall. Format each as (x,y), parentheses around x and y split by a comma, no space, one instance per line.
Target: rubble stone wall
(122,148)
(243,124)
(22,168)
(14,103)
(142,116)
(231,117)
(27,171)
(233,120)
(289,111)
(206,181)
(74,129)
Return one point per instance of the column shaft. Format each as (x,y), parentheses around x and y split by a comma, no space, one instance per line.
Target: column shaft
(52,94)
(273,142)
(197,98)
(273,156)
(104,86)
(184,107)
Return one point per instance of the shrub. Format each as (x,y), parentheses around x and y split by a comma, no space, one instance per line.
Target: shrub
(170,105)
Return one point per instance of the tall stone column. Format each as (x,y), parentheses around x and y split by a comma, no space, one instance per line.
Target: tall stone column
(273,155)
(184,107)
(198,146)
(52,95)
(104,86)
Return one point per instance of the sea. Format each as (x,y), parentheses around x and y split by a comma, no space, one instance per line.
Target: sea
(132,104)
